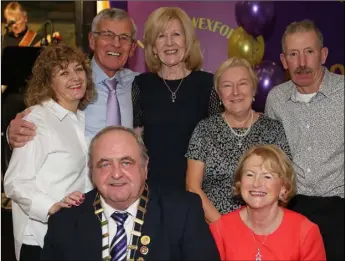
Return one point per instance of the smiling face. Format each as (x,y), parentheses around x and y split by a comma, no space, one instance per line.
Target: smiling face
(112,54)
(260,188)
(69,84)
(304,57)
(236,90)
(170,45)
(118,169)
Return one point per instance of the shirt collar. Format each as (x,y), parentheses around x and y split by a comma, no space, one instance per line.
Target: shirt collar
(108,210)
(58,110)
(100,76)
(325,87)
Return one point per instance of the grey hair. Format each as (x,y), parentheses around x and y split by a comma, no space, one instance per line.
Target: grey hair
(305,25)
(138,139)
(113,14)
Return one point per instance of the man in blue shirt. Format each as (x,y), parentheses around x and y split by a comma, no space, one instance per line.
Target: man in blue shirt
(113,40)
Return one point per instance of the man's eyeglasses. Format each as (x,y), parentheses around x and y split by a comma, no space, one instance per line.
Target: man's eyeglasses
(110,36)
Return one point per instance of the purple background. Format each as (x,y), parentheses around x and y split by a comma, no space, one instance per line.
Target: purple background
(328,16)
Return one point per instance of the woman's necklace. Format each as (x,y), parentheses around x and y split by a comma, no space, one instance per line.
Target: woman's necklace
(173,94)
(241,135)
(258,253)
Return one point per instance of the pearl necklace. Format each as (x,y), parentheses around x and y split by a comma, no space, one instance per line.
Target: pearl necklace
(243,134)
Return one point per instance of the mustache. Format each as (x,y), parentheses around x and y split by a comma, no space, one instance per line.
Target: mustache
(303,69)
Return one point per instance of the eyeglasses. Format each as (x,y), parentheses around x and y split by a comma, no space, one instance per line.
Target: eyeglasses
(110,36)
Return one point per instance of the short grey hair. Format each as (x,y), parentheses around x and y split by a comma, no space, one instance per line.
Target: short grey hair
(138,139)
(305,25)
(113,14)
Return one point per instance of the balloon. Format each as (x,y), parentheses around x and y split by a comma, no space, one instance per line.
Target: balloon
(254,16)
(243,45)
(269,75)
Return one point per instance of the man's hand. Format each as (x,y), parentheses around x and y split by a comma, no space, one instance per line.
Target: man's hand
(21,131)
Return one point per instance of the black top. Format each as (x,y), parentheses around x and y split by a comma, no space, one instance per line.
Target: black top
(168,125)
(11,40)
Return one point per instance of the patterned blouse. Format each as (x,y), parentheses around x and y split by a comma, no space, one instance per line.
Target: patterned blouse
(213,143)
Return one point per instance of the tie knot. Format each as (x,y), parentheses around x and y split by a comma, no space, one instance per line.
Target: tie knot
(111,84)
(119,218)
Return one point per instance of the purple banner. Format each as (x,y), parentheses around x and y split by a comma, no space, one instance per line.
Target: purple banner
(215,20)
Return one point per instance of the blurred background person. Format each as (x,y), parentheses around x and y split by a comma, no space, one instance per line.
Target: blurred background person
(174,96)
(52,165)
(264,229)
(17,31)
(219,141)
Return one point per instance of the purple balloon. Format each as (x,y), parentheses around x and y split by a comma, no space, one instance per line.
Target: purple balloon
(254,16)
(269,75)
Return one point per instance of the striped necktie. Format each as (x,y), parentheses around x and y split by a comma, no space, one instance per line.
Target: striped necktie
(113,106)
(118,247)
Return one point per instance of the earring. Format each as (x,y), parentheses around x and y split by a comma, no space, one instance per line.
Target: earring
(253,99)
(155,56)
(220,103)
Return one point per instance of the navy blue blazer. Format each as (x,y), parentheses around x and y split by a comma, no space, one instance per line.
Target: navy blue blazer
(174,221)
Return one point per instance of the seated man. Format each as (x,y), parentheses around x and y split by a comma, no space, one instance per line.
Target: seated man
(124,219)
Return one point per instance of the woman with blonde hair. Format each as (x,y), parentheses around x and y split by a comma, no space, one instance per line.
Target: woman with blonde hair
(174,96)
(219,141)
(264,229)
(49,172)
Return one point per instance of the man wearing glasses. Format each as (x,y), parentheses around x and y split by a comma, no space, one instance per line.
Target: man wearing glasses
(17,31)
(113,40)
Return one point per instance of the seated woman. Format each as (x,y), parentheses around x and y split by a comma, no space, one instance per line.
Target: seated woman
(264,229)
(220,140)
(53,164)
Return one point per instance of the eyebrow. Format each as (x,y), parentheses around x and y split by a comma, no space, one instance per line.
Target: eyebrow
(102,160)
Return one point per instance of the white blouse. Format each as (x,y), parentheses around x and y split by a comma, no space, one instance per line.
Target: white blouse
(45,170)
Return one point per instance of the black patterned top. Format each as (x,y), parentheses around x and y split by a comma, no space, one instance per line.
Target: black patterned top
(213,143)
(169,125)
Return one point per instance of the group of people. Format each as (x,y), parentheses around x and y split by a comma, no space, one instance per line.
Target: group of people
(105,159)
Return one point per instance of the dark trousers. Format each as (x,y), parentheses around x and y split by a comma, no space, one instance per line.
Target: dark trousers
(30,253)
(328,214)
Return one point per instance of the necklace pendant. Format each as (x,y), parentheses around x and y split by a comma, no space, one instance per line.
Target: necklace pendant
(173,97)
(258,255)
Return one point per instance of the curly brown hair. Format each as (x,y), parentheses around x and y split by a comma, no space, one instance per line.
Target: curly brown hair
(39,86)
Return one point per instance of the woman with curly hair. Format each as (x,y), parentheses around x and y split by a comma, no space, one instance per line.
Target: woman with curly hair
(53,164)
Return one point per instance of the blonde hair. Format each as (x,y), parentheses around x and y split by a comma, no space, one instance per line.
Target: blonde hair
(157,23)
(305,25)
(235,62)
(60,55)
(274,160)
(14,7)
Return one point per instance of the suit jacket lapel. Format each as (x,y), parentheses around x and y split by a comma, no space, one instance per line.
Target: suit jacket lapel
(152,228)
(89,237)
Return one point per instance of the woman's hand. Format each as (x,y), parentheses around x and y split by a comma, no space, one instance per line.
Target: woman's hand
(75,198)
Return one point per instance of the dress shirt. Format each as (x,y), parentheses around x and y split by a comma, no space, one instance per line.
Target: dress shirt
(96,112)
(45,170)
(315,132)
(129,223)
